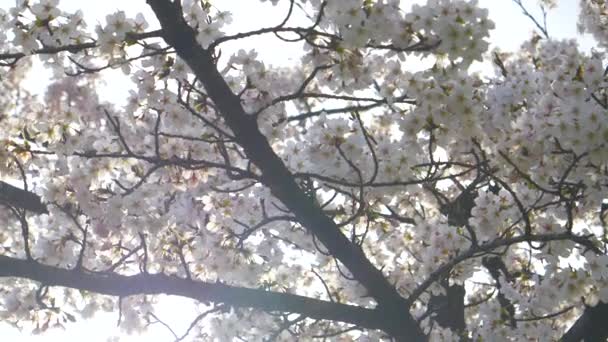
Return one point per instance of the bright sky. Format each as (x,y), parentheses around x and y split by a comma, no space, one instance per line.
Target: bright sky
(512,28)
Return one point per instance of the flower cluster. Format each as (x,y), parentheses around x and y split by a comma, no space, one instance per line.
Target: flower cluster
(428,172)
(49,27)
(458,28)
(593,18)
(113,35)
(198,15)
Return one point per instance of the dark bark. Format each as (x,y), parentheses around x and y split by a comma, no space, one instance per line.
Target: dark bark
(392,314)
(399,323)
(592,326)
(449,308)
(119,285)
(21,199)
(497,267)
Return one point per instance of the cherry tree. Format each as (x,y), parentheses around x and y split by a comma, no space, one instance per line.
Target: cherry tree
(351,197)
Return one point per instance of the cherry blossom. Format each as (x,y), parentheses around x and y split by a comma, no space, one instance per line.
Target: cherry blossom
(349,197)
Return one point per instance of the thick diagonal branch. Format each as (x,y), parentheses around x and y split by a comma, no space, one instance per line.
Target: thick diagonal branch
(590,326)
(21,199)
(119,285)
(278,178)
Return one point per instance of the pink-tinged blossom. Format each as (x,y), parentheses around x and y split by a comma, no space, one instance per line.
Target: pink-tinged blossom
(425,170)
(46,9)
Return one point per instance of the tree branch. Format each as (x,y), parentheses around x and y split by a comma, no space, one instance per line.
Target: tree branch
(591,326)
(21,199)
(275,175)
(72,48)
(114,284)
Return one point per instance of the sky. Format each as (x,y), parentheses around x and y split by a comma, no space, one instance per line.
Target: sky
(512,28)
